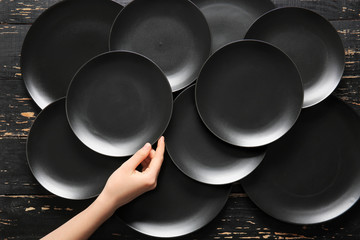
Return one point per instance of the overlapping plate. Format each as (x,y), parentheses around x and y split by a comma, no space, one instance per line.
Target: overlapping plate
(117,102)
(61,40)
(174,34)
(244,107)
(311,42)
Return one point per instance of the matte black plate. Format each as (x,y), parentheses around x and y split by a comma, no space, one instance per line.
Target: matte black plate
(200,154)
(312,174)
(60,162)
(311,42)
(174,34)
(229,20)
(177,206)
(60,41)
(117,102)
(249,93)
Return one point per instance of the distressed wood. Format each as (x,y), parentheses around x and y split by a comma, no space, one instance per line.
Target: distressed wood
(28,211)
(26,11)
(12,36)
(15,175)
(17,109)
(32,216)
(332,10)
(11,39)
(23,202)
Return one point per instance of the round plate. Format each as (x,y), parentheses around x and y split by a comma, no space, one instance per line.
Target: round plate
(311,42)
(201,155)
(229,20)
(117,102)
(177,206)
(312,174)
(62,39)
(60,162)
(174,34)
(249,93)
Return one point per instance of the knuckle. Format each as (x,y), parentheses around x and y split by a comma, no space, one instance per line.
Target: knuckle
(151,183)
(141,153)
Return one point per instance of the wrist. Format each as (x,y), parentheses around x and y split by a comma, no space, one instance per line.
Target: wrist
(106,203)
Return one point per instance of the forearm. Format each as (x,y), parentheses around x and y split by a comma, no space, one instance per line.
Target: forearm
(83,225)
(125,184)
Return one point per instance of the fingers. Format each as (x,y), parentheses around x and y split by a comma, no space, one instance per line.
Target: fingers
(160,149)
(158,157)
(152,154)
(145,164)
(139,156)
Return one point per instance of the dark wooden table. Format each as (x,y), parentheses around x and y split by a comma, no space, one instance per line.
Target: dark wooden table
(27,211)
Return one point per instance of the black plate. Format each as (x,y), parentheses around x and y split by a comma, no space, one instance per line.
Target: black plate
(229,20)
(179,205)
(60,162)
(62,39)
(117,102)
(201,155)
(312,174)
(249,93)
(174,34)
(311,42)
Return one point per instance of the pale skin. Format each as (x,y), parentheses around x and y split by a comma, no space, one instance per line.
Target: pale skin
(124,185)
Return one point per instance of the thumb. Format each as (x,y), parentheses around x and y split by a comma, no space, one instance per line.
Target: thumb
(139,156)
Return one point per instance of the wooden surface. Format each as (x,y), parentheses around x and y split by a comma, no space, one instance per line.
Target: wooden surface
(27,211)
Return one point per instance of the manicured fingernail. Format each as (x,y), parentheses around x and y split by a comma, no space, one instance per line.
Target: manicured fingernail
(147,146)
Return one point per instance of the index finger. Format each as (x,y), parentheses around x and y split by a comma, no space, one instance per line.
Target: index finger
(158,159)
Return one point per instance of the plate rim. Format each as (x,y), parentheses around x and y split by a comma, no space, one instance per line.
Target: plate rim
(26,39)
(237,42)
(333,29)
(118,52)
(208,52)
(29,161)
(347,208)
(196,178)
(222,207)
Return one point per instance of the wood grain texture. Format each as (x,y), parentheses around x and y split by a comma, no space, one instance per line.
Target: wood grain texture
(32,216)
(17,109)
(332,10)
(28,211)
(26,11)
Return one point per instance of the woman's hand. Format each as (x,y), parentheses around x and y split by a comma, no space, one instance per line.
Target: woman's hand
(127,183)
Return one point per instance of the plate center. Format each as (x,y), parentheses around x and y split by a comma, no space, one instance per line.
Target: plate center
(299,172)
(122,102)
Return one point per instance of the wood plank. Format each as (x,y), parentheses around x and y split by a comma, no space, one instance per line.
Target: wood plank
(26,11)
(331,10)
(12,36)
(31,217)
(30,212)
(15,174)
(17,109)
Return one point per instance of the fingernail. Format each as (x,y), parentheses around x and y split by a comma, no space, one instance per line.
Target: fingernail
(163,138)
(147,146)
